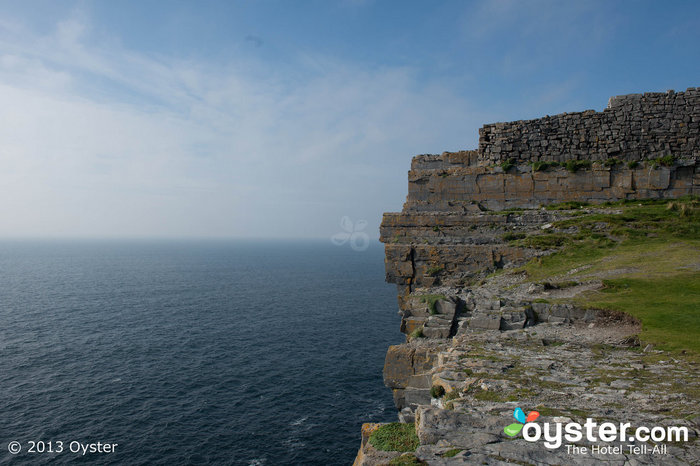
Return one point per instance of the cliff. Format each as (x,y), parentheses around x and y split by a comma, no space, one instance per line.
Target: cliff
(494,256)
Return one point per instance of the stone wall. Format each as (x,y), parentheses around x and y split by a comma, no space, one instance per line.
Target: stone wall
(633,127)
(641,146)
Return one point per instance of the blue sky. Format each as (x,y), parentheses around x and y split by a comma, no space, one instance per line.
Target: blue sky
(274,119)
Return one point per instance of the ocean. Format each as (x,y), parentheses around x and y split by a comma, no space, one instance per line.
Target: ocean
(191,352)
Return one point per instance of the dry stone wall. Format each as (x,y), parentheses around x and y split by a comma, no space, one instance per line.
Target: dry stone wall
(641,146)
(633,127)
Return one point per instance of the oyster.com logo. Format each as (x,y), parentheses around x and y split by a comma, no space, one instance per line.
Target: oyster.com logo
(354,234)
(630,438)
(515,428)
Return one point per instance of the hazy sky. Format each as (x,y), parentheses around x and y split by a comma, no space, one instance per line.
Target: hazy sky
(278,118)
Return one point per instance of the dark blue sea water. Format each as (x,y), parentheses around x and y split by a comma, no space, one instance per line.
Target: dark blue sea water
(192,352)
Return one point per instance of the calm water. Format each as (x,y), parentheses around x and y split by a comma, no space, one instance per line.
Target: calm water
(192,352)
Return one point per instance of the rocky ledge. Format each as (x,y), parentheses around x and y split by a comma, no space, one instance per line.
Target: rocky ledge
(569,364)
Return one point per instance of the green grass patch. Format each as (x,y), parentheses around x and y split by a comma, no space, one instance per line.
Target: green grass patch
(431,300)
(575,165)
(417,333)
(668,307)
(544,241)
(406,459)
(666,160)
(543,165)
(512,236)
(649,252)
(521,393)
(395,437)
(508,164)
(580,413)
(490,395)
(568,205)
(432,271)
(451,453)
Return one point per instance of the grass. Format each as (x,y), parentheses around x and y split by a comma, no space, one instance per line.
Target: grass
(542,166)
(669,307)
(511,236)
(575,165)
(405,460)
(666,160)
(431,300)
(432,271)
(507,164)
(568,205)
(417,333)
(395,437)
(436,391)
(553,412)
(543,241)
(451,453)
(649,255)
(490,395)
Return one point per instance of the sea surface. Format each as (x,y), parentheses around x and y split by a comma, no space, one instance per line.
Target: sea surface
(209,352)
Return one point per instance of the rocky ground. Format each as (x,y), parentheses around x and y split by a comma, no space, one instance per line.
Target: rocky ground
(511,350)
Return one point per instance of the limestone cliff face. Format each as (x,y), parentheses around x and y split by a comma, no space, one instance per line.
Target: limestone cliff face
(462,214)
(455,217)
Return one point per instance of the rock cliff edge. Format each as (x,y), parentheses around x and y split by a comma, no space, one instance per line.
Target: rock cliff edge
(504,257)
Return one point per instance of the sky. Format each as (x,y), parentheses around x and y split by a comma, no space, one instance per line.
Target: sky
(276,119)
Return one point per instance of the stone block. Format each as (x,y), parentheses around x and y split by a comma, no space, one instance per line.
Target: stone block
(441,331)
(519,184)
(652,178)
(398,366)
(489,184)
(622,179)
(416,397)
(410,324)
(486,322)
(601,179)
(423,381)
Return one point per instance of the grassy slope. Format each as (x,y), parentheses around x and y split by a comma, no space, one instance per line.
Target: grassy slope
(649,256)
